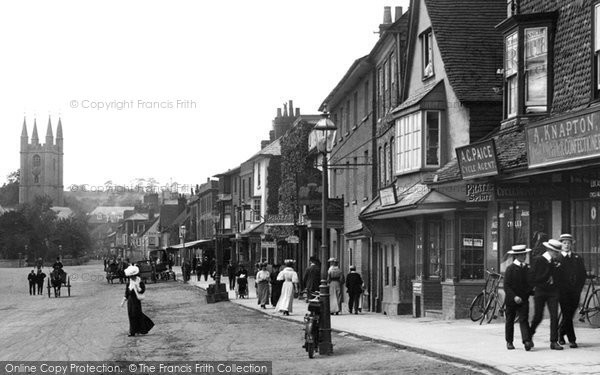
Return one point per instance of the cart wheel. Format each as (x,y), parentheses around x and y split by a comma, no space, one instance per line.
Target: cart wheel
(69,286)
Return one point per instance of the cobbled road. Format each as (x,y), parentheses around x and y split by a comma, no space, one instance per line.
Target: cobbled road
(90,325)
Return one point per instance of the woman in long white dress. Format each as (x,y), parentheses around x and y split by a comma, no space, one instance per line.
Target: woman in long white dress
(290,284)
(335,277)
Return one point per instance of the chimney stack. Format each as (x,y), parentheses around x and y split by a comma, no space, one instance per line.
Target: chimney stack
(297,112)
(387,20)
(291,108)
(271,135)
(397,13)
(264,143)
(278,112)
(387,15)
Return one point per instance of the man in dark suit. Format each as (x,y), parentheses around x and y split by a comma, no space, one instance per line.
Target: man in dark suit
(517,291)
(40,281)
(354,284)
(32,279)
(312,277)
(571,279)
(544,277)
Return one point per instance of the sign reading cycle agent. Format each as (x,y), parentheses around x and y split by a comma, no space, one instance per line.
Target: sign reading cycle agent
(573,138)
(477,159)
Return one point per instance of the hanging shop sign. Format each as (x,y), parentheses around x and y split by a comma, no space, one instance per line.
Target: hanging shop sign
(483,192)
(568,140)
(387,196)
(268,244)
(477,160)
(292,239)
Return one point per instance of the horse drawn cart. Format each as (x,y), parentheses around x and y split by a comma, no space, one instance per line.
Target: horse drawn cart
(114,271)
(57,279)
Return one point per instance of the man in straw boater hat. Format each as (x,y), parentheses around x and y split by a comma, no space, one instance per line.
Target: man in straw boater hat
(543,276)
(572,277)
(517,291)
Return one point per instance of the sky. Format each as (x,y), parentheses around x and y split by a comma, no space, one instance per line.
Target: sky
(174,90)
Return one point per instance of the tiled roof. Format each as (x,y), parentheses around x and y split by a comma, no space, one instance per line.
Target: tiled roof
(470,46)
(511,151)
(416,97)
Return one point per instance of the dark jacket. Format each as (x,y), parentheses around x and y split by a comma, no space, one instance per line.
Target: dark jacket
(312,278)
(40,278)
(354,283)
(543,274)
(31,277)
(516,284)
(571,275)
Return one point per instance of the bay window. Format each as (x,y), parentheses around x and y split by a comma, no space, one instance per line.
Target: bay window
(596,50)
(528,47)
(418,141)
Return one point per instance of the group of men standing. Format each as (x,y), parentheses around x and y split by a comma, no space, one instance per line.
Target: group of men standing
(555,277)
(36,281)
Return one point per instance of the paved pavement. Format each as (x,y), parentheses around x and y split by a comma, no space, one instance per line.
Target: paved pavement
(457,340)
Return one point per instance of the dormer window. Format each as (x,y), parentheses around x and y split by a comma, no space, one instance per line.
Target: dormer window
(528,50)
(427,53)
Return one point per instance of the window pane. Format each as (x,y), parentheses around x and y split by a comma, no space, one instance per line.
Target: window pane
(433,132)
(511,95)
(597,27)
(511,54)
(536,69)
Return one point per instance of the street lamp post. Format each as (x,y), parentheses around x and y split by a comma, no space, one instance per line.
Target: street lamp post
(182,231)
(324,131)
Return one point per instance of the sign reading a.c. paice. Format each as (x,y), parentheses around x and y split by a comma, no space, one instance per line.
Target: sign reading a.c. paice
(477,159)
(567,140)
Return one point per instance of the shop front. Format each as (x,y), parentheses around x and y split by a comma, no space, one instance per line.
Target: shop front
(411,249)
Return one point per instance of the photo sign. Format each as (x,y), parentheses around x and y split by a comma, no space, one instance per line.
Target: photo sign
(477,160)
(387,196)
(574,138)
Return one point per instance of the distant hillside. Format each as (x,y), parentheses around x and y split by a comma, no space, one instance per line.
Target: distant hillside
(87,200)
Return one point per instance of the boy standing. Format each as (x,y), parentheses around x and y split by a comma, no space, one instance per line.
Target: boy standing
(517,291)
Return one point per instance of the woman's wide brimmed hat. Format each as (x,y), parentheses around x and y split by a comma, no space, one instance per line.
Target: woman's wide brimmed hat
(553,244)
(519,249)
(332,260)
(289,262)
(131,271)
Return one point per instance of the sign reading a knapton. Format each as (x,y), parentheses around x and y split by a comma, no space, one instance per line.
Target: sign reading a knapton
(477,160)
(574,138)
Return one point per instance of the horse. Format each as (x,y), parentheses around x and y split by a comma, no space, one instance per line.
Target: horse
(57,278)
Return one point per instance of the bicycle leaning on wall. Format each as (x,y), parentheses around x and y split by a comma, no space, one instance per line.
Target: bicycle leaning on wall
(483,307)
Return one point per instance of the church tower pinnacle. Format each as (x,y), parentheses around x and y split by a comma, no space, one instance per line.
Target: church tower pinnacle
(34,136)
(49,135)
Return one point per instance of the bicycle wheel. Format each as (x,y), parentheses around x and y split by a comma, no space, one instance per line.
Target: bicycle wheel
(592,309)
(490,310)
(477,307)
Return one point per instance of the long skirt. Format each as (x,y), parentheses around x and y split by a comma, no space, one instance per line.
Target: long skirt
(262,292)
(138,321)
(286,298)
(335,296)
(276,292)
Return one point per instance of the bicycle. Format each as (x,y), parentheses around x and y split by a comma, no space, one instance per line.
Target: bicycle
(590,309)
(483,307)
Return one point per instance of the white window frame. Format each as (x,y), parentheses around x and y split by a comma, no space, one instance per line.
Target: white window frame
(426,138)
(596,47)
(511,74)
(427,54)
(540,55)
(411,142)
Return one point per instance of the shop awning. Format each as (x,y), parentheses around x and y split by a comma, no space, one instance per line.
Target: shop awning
(254,229)
(418,199)
(189,244)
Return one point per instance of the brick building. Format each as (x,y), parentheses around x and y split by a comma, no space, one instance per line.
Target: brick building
(449,98)
(546,177)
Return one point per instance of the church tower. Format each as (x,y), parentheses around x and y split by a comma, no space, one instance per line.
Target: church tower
(41,165)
